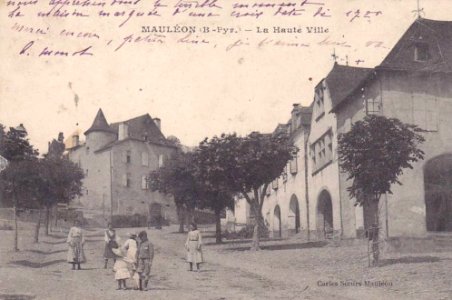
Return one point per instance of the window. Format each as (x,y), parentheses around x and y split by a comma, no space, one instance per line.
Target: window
(128,156)
(319,101)
(293,164)
(144,158)
(328,148)
(86,173)
(284,174)
(87,150)
(421,52)
(161,161)
(322,151)
(144,182)
(126,180)
(373,106)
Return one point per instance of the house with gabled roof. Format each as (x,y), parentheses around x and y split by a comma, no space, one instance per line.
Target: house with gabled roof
(286,199)
(117,159)
(413,84)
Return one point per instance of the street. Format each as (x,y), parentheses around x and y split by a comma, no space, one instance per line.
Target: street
(285,269)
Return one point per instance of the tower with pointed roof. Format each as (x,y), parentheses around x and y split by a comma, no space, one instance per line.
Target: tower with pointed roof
(99,134)
(116,159)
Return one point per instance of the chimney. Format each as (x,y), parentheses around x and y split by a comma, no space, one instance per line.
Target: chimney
(158,122)
(75,140)
(295,119)
(123,131)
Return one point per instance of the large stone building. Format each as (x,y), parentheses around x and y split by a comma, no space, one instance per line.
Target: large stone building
(413,84)
(117,159)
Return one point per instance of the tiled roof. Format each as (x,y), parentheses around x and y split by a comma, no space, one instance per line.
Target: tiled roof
(142,128)
(99,124)
(437,35)
(344,80)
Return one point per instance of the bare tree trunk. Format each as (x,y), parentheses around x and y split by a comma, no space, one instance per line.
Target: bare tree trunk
(256,232)
(38,226)
(16,229)
(47,220)
(190,216)
(56,217)
(218,239)
(375,236)
(180,217)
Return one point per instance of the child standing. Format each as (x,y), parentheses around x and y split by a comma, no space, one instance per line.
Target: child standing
(130,247)
(121,268)
(145,257)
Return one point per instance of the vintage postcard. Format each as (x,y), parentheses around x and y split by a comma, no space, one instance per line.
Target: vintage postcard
(225,149)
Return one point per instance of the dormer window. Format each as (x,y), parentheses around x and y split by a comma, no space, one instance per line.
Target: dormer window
(421,52)
(319,102)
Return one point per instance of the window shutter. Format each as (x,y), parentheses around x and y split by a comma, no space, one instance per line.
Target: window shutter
(144,159)
(275,184)
(294,164)
(144,182)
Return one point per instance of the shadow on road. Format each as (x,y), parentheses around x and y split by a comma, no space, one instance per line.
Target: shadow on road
(409,260)
(30,264)
(16,297)
(238,241)
(54,243)
(284,246)
(57,236)
(46,252)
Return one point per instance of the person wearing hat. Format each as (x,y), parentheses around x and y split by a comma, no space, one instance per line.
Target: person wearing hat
(121,268)
(75,241)
(145,257)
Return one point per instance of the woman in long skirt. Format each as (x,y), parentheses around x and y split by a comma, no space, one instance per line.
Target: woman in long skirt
(75,241)
(193,247)
(111,242)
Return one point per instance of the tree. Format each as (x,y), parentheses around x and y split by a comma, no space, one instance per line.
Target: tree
(177,178)
(374,153)
(15,146)
(19,179)
(247,165)
(212,192)
(61,182)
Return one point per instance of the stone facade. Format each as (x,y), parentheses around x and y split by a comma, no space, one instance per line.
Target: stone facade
(117,159)
(411,84)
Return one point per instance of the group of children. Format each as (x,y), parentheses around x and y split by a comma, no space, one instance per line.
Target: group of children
(133,261)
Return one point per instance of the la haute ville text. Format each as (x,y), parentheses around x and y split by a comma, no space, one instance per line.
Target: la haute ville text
(232,30)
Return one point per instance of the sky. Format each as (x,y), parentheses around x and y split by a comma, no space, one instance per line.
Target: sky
(196,90)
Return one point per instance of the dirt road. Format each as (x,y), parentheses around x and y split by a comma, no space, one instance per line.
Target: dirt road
(41,272)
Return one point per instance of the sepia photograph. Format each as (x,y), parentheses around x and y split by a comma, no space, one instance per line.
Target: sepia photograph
(225,149)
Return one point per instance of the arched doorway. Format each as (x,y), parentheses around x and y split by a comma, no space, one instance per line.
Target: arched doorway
(294,214)
(277,222)
(325,214)
(438,193)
